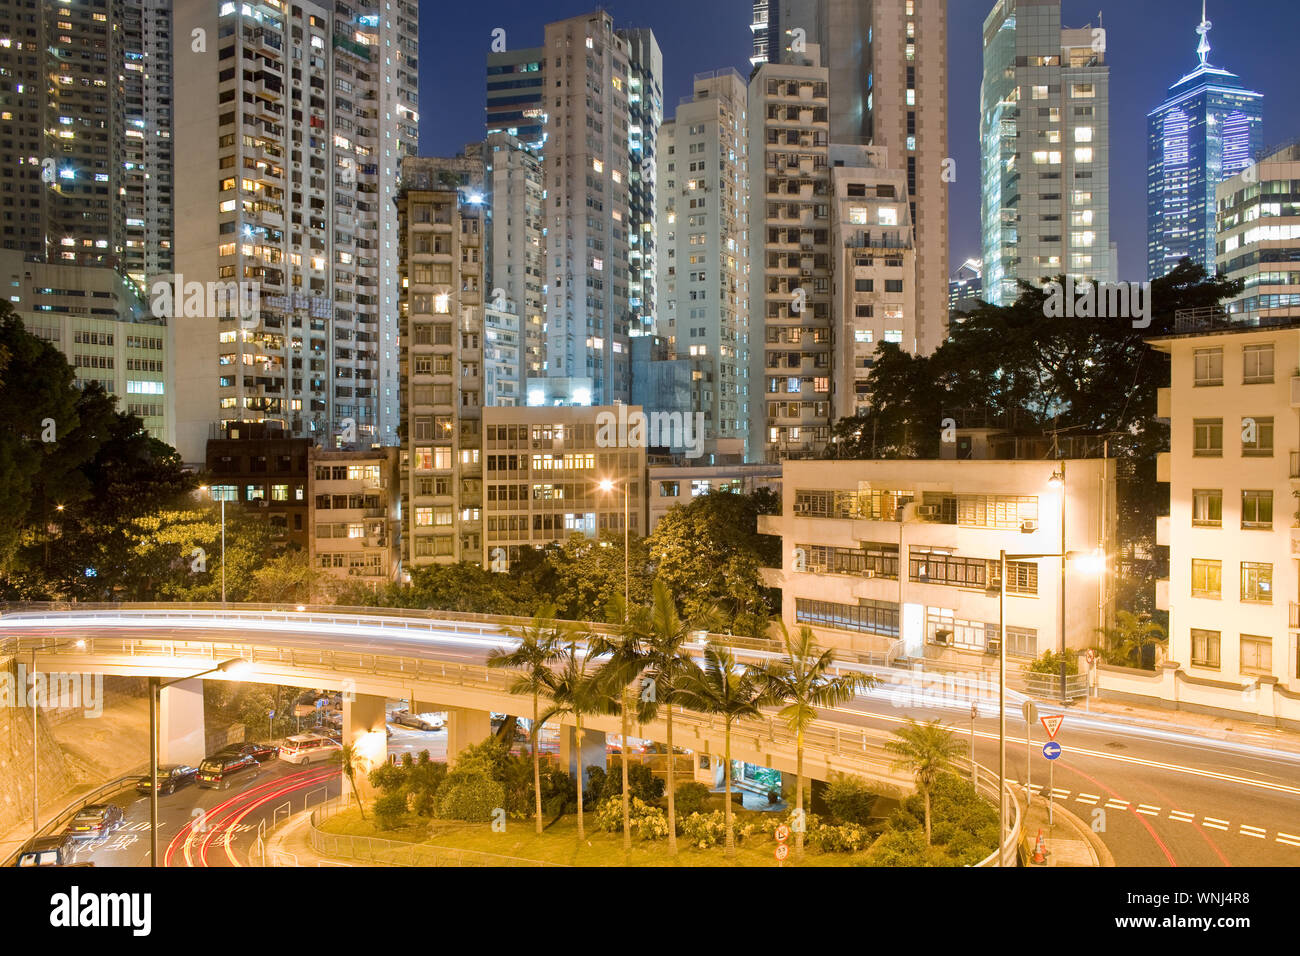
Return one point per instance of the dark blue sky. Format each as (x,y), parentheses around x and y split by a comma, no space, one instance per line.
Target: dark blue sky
(1151,43)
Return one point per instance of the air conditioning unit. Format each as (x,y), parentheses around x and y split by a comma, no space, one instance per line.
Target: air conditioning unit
(995,645)
(942,636)
(1028,526)
(869,573)
(928,511)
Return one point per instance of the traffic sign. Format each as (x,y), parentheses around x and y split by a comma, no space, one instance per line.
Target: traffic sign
(1051,750)
(782,852)
(1052,724)
(1031,711)
(782,833)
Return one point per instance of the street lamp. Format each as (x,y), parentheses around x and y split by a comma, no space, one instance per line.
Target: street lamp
(223,539)
(607,486)
(232,666)
(1057,481)
(1090,560)
(36,813)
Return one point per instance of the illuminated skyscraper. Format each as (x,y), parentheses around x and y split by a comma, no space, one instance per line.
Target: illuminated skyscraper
(1208,130)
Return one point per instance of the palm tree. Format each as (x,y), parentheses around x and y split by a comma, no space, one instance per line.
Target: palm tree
(627,661)
(576,689)
(1131,636)
(667,661)
(801,682)
(925,750)
(721,687)
(539,647)
(352,762)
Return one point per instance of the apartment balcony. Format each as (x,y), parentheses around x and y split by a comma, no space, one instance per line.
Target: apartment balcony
(1162,531)
(1163,462)
(1162,594)
(1163,403)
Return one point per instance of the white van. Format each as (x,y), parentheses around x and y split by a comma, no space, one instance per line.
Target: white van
(309,748)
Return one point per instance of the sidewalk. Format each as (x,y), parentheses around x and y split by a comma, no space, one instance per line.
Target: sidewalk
(1069,842)
(290,845)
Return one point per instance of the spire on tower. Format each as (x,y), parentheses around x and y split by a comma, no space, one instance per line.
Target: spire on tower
(1203,49)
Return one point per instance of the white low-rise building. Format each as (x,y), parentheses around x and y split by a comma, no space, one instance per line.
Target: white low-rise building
(847,526)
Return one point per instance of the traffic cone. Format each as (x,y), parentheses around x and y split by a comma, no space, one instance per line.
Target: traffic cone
(1040,851)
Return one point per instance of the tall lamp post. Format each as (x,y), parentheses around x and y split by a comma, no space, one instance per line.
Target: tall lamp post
(156,688)
(607,485)
(36,813)
(1057,481)
(1096,560)
(223,539)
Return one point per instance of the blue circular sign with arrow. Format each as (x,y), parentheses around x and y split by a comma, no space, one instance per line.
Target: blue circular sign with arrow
(1051,750)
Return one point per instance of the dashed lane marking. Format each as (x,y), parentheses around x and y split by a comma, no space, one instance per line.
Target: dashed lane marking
(1215,823)
(1148,810)
(1089,798)
(1288,838)
(1252,831)
(1181,816)
(1115,804)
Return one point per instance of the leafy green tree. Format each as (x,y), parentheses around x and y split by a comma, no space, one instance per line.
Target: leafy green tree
(925,750)
(708,554)
(539,647)
(290,578)
(1127,642)
(800,682)
(723,688)
(588,574)
(577,689)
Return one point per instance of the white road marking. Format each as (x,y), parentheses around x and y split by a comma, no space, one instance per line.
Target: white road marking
(1148,810)
(1288,838)
(1088,798)
(1181,816)
(1252,831)
(1215,823)
(1115,804)
(1060,794)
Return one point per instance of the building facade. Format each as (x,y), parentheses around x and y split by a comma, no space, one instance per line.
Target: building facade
(966,287)
(873,271)
(441,256)
(543,470)
(704,269)
(94,316)
(1258,237)
(672,485)
(301,115)
(1233,470)
(1207,130)
(909,551)
(265,471)
(1044,150)
(790,259)
(516,96)
(354,527)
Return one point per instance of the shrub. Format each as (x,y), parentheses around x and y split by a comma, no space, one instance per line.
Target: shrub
(850,838)
(642,782)
(849,800)
(690,798)
(1050,663)
(710,829)
(470,797)
(389,777)
(647,822)
(964,824)
(389,810)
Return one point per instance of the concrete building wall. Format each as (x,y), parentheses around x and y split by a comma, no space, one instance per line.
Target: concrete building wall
(1258,238)
(354,526)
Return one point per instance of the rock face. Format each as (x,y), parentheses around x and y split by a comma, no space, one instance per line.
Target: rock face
(16,764)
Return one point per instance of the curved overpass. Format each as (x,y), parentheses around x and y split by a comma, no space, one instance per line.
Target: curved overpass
(425,656)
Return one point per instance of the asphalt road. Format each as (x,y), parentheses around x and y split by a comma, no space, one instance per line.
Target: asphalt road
(1167,796)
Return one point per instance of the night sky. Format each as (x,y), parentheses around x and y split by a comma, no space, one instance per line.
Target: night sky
(1151,44)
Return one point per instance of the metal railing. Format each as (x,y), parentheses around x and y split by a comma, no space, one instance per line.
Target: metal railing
(986,783)
(396,852)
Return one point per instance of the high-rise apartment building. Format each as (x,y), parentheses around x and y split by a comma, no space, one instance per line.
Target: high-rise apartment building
(1045,149)
(589,216)
(966,287)
(790,257)
(645,114)
(147,144)
(441,270)
(873,272)
(63,107)
(704,270)
(887,64)
(516,96)
(1207,130)
(1258,238)
(300,116)
(516,253)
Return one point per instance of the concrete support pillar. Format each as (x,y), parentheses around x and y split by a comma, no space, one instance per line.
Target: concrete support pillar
(464,728)
(364,728)
(593,749)
(182,734)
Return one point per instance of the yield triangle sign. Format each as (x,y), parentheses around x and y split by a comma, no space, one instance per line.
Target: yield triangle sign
(1052,724)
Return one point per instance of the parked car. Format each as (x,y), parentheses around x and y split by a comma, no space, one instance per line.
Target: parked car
(222,769)
(331,733)
(418,721)
(49,851)
(309,748)
(259,752)
(94,821)
(171,777)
